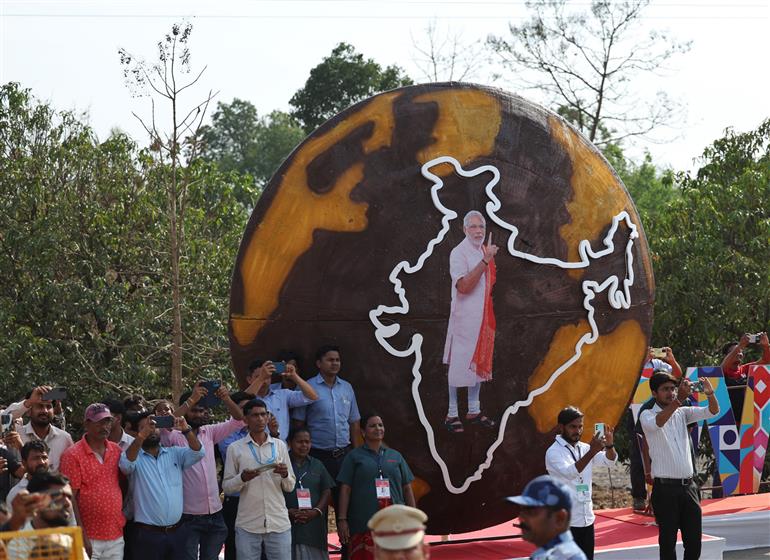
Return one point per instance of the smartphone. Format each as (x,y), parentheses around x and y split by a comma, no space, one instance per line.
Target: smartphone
(280,369)
(754,338)
(210,400)
(163,421)
(599,429)
(58,394)
(6,420)
(658,353)
(697,386)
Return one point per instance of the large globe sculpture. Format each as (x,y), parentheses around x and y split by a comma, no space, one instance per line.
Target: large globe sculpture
(352,244)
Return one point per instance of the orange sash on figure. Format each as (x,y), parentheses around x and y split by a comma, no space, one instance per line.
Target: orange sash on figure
(481,363)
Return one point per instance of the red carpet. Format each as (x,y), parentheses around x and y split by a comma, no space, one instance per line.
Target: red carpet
(617,531)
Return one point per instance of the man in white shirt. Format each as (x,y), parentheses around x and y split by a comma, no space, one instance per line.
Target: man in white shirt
(41,415)
(675,496)
(258,466)
(570,461)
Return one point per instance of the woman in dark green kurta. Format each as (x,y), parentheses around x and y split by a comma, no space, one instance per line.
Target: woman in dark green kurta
(308,525)
(360,470)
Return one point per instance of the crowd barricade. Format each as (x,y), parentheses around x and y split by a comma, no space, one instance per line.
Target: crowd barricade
(60,543)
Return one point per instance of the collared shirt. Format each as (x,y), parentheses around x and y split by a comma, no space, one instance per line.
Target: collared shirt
(313,476)
(560,461)
(58,441)
(126,440)
(561,547)
(100,500)
(329,418)
(157,483)
(261,508)
(201,489)
(227,442)
(670,444)
(359,470)
(280,402)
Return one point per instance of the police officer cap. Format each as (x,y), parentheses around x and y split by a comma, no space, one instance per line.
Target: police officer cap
(398,527)
(544,491)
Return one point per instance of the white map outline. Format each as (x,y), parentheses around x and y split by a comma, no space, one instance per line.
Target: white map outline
(618,299)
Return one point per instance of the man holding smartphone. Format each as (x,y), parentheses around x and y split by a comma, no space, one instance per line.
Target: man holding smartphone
(156,478)
(204,530)
(570,461)
(675,494)
(40,427)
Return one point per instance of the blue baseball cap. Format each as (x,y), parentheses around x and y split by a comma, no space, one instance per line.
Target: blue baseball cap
(544,491)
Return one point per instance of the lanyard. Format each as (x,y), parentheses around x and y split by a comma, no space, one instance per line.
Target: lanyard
(380,455)
(579,456)
(302,475)
(256,457)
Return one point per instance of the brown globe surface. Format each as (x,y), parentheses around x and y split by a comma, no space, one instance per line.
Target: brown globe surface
(350,203)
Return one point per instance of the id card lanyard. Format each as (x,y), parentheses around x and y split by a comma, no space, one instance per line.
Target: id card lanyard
(581,488)
(381,484)
(303,494)
(256,457)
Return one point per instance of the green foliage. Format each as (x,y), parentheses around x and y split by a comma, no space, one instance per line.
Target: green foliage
(84,286)
(711,250)
(239,140)
(340,80)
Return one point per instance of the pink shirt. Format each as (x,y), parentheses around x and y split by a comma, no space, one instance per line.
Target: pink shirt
(201,489)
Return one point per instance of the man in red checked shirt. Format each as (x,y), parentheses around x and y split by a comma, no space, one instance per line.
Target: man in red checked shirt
(92,467)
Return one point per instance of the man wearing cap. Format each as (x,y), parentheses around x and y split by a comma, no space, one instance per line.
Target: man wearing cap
(92,468)
(570,461)
(397,532)
(544,512)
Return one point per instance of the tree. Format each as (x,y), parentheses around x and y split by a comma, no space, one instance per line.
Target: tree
(171,148)
(586,65)
(711,249)
(239,140)
(339,81)
(85,292)
(444,56)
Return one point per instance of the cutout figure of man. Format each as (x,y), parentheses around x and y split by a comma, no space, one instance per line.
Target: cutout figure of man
(470,336)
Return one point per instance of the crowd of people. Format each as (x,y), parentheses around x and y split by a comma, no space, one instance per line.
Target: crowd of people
(146,479)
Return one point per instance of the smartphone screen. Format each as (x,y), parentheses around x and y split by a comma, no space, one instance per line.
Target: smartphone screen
(599,428)
(210,400)
(5,421)
(163,421)
(58,394)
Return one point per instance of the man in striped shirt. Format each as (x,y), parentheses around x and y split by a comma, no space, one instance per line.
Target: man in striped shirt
(675,495)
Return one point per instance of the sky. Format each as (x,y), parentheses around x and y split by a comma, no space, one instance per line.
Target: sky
(65,51)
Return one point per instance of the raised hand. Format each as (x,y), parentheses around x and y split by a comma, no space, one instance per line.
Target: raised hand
(489,250)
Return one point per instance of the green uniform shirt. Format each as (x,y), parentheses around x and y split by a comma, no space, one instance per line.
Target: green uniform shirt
(359,471)
(314,477)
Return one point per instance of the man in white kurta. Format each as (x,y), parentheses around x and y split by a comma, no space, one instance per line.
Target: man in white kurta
(468,265)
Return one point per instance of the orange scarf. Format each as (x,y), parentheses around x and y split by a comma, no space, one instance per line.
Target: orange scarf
(481,363)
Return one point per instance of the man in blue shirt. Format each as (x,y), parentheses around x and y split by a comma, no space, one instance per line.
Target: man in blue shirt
(333,419)
(544,511)
(156,476)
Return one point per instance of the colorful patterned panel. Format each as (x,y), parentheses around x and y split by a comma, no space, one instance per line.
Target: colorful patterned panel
(642,394)
(759,377)
(746,433)
(721,428)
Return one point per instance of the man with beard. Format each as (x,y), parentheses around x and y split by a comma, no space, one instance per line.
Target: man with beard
(34,459)
(92,468)
(156,478)
(41,413)
(56,511)
(570,461)
(544,511)
(204,526)
(470,336)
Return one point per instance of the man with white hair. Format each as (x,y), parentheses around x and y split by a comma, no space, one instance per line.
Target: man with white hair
(470,336)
